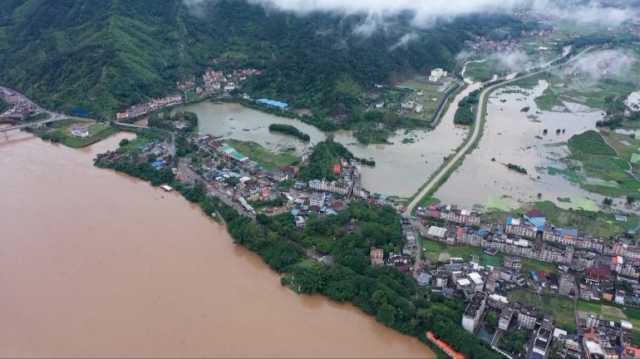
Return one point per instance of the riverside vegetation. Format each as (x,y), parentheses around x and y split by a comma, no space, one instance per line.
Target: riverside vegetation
(392,297)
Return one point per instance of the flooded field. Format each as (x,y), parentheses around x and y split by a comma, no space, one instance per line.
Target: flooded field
(515,134)
(232,120)
(401,168)
(97,264)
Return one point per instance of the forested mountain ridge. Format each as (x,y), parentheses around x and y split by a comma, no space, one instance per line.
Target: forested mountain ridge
(106,54)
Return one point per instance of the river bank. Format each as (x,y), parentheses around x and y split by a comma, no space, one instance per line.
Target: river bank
(125,268)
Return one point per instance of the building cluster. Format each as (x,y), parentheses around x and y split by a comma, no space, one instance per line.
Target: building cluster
(148,107)
(601,339)
(218,82)
(437,74)
(158,153)
(21,106)
(588,269)
(232,175)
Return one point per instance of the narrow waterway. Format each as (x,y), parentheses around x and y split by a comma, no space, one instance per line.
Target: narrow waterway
(93,263)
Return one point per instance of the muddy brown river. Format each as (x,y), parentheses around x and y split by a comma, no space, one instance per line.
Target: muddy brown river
(93,263)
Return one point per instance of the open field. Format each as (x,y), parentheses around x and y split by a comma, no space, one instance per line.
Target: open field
(607,312)
(596,166)
(483,71)
(267,159)
(618,75)
(561,308)
(433,249)
(425,93)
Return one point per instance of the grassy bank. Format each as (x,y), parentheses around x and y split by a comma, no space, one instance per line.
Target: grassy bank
(268,159)
(61,132)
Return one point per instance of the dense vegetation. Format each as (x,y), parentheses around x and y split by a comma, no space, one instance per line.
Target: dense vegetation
(466,113)
(289,130)
(4,105)
(590,143)
(322,160)
(102,55)
(616,112)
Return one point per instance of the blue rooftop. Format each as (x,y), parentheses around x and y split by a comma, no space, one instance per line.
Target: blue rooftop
(273,103)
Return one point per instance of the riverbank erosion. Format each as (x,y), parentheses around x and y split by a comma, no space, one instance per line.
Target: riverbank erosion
(100,264)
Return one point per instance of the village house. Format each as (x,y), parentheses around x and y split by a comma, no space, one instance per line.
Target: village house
(473,312)
(377,256)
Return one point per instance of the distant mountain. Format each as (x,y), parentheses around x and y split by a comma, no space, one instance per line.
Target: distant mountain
(106,54)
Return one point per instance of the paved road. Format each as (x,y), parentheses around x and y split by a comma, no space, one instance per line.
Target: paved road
(444,170)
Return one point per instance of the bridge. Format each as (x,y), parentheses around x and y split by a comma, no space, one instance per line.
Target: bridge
(54,118)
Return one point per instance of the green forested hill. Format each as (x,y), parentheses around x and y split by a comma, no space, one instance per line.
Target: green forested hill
(105,54)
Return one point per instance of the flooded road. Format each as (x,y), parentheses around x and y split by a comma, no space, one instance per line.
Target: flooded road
(514,133)
(93,263)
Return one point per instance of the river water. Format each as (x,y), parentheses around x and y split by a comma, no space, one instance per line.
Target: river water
(93,263)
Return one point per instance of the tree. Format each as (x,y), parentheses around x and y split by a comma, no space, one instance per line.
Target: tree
(491,320)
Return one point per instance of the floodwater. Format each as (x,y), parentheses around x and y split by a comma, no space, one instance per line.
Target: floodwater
(232,120)
(401,168)
(513,136)
(93,263)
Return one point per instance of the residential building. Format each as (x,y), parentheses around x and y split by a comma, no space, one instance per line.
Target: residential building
(473,312)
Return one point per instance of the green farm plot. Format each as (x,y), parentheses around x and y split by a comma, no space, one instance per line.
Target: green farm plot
(597,167)
(560,308)
(484,70)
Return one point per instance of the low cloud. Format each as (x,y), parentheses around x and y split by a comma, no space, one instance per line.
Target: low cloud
(424,13)
(404,40)
(603,64)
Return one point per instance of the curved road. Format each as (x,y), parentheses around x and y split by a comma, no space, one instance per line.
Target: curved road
(444,170)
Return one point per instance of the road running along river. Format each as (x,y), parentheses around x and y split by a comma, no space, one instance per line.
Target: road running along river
(94,263)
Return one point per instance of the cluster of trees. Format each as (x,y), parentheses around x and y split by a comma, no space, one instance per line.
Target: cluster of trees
(325,155)
(289,130)
(616,114)
(377,126)
(466,113)
(4,105)
(142,170)
(392,297)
